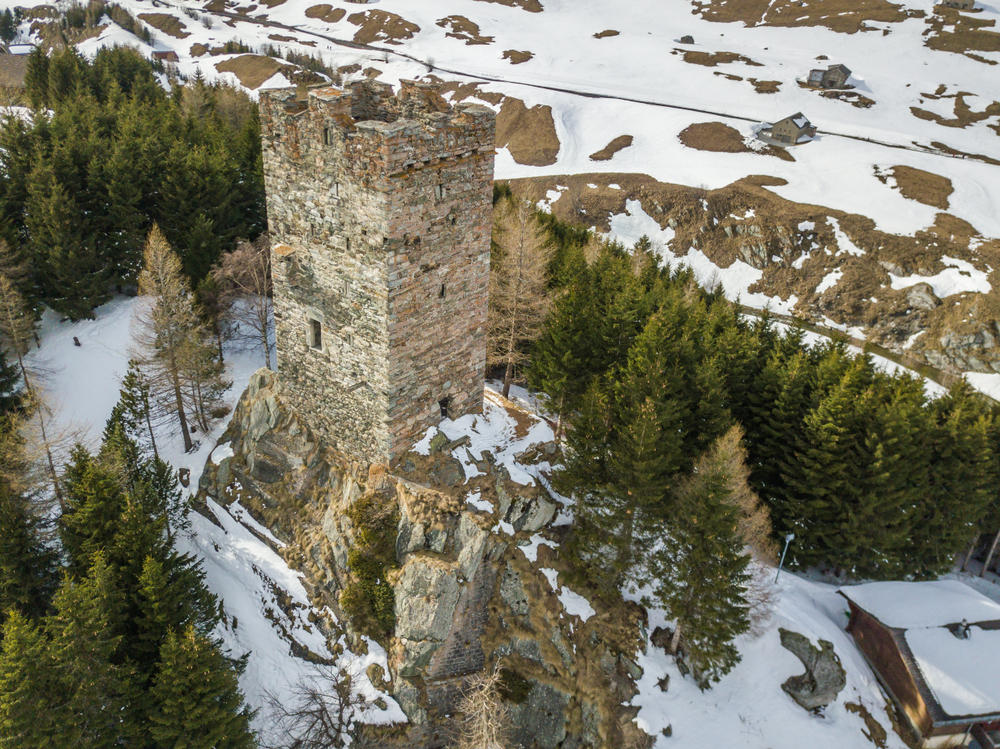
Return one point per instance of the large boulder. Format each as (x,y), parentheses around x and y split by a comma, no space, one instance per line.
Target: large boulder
(824,676)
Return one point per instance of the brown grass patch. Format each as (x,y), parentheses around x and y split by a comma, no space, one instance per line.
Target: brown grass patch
(765,87)
(954,31)
(532,6)
(197,50)
(252,70)
(516,57)
(616,145)
(461,91)
(945,148)
(924,187)
(847,16)
(606,33)
(529,134)
(964,114)
(381,26)
(721,138)
(711,59)
(460,27)
(326,13)
(168,24)
(842,94)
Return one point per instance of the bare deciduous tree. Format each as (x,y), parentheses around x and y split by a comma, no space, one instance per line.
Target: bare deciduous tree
(754,524)
(320,712)
(243,277)
(17,327)
(485,718)
(178,359)
(519,276)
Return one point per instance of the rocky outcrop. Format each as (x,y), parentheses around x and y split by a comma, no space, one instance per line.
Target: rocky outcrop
(464,594)
(824,676)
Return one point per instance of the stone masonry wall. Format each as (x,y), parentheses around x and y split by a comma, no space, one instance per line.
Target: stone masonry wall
(381,231)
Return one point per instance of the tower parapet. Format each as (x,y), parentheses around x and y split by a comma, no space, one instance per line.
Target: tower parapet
(380,206)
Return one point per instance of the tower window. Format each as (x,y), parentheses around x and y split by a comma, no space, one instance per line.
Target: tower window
(315,334)
(326,136)
(441,292)
(444,403)
(336,189)
(347,243)
(439,190)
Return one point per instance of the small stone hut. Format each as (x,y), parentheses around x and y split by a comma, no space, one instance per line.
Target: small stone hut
(935,647)
(791,129)
(834,76)
(380,208)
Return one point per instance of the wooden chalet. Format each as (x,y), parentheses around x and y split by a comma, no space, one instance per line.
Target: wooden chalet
(935,647)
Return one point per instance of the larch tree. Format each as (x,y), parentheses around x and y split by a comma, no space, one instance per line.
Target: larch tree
(243,277)
(484,721)
(178,359)
(519,276)
(17,326)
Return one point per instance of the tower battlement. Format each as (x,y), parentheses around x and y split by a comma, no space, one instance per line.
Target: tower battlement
(380,207)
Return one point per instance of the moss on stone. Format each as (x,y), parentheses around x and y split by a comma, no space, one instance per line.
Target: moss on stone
(514,687)
(368,600)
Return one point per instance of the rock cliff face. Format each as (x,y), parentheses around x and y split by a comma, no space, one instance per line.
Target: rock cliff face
(466,582)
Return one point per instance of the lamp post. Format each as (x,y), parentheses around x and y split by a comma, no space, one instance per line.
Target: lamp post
(788,539)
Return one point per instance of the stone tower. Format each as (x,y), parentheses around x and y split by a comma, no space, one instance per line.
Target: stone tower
(380,211)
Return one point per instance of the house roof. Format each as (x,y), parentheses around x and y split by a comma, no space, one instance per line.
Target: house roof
(842,68)
(961,676)
(934,603)
(21,49)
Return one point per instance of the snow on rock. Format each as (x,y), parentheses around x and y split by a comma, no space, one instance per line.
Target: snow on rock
(503,430)
(476,500)
(267,611)
(843,241)
(986,383)
(958,277)
(909,605)
(530,549)
(829,280)
(575,604)
(222,452)
(963,674)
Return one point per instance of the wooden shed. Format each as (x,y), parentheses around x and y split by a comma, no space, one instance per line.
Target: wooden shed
(833,76)
(935,647)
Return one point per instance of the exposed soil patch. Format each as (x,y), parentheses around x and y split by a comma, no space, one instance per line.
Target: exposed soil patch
(954,31)
(461,91)
(252,70)
(847,16)
(532,6)
(916,184)
(711,59)
(197,50)
(516,57)
(945,148)
(964,114)
(721,138)
(606,33)
(765,87)
(326,13)
(616,145)
(842,94)
(168,24)
(460,27)
(529,134)
(381,26)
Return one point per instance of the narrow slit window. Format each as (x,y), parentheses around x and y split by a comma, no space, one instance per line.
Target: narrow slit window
(347,244)
(326,136)
(444,403)
(336,189)
(315,335)
(439,190)
(441,292)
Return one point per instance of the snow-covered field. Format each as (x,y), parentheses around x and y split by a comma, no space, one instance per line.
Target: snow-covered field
(645,62)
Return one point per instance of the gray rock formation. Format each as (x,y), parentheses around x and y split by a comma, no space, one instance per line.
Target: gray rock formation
(824,676)
(465,596)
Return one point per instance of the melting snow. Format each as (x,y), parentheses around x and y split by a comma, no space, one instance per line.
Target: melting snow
(960,276)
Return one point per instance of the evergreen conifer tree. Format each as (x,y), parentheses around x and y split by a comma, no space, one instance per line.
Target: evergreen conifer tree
(10,386)
(30,692)
(27,565)
(197,699)
(701,568)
